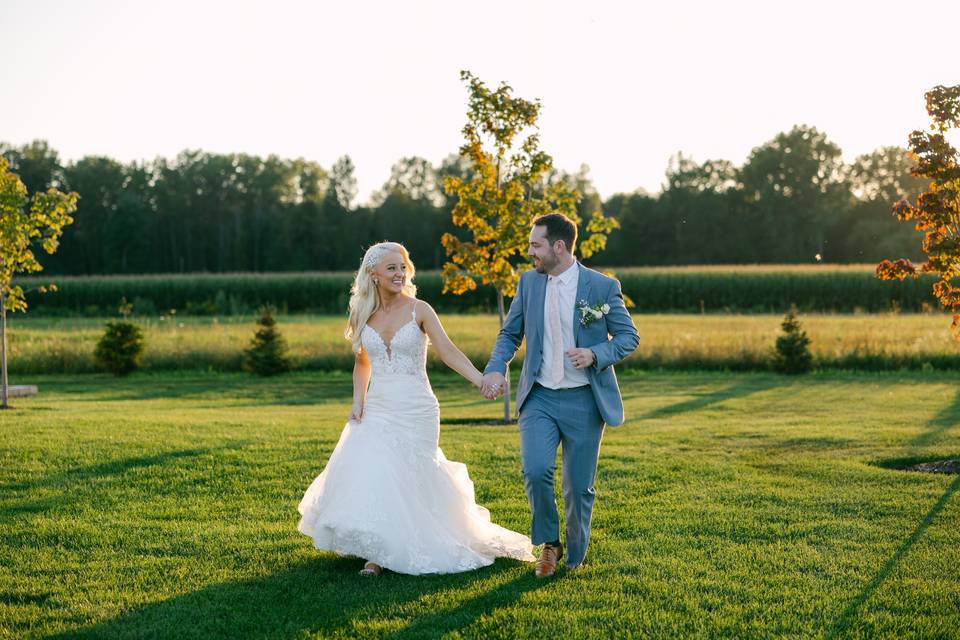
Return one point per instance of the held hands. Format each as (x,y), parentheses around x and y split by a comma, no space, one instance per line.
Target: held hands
(356,411)
(492,385)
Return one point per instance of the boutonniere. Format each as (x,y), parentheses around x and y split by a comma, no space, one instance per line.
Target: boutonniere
(591,312)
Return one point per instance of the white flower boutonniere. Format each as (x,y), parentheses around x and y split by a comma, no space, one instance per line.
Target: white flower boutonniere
(591,312)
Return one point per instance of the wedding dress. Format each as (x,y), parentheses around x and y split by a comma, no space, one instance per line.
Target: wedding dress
(388,494)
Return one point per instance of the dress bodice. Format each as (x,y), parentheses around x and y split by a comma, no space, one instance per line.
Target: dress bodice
(404,353)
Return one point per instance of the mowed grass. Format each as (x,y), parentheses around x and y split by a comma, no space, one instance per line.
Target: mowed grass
(667,341)
(740,506)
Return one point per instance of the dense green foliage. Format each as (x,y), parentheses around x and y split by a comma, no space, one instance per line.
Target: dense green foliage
(28,223)
(120,349)
(267,354)
(793,347)
(791,200)
(747,506)
(768,290)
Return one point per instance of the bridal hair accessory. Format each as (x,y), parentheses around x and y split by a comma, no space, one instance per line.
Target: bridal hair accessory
(375,254)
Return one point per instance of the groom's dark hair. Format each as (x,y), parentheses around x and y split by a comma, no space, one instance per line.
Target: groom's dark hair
(559,227)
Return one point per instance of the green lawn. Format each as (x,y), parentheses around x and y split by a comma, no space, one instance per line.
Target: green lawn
(741,506)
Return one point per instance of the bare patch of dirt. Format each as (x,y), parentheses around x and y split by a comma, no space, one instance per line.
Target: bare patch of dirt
(936,466)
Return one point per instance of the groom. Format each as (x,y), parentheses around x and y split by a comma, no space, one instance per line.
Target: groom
(577,328)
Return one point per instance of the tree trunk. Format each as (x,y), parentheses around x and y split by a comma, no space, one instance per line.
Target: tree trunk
(506,384)
(3,352)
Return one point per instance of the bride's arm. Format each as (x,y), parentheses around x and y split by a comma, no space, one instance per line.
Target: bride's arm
(361,377)
(448,352)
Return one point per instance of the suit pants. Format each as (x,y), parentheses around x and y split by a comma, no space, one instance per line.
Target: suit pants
(569,418)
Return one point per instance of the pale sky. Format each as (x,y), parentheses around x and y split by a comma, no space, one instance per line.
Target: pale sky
(623,84)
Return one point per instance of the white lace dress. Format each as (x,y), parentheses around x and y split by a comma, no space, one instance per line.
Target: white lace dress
(388,494)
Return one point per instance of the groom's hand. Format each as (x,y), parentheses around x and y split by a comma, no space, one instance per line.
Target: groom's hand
(493,385)
(580,358)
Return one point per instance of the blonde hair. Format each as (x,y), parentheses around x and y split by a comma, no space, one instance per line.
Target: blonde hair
(364,295)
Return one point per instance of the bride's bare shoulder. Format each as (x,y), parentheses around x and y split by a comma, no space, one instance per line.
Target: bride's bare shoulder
(422,305)
(423,311)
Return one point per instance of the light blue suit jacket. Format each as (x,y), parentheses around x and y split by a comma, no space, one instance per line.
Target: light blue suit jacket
(611,338)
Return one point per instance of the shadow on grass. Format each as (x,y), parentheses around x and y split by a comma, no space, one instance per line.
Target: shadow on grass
(323,596)
(102,470)
(236,389)
(70,484)
(813,443)
(902,463)
(479,422)
(221,390)
(840,627)
(15,599)
(938,426)
(738,389)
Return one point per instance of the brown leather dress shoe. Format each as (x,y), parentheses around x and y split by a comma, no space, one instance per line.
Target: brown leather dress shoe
(547,564)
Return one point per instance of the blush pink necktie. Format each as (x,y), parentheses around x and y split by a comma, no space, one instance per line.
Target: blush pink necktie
(556,333)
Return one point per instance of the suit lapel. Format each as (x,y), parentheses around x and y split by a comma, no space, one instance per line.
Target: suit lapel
(583,293)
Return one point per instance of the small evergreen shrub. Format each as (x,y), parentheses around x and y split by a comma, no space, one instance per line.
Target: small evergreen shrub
(793,347)
(267,354)
(120,349)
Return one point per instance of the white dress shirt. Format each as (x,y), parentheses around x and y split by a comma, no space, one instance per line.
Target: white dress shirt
(567,291)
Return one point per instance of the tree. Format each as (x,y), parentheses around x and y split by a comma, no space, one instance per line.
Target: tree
(701,200)
(267,354)
(937,210)
(792,354)
(301,230)
(795,183)
(643,237)
(580,182)
(20,228)
(120,348)
(101,181)
(507,188)
(343,182)
(867,231)
(37,165)
(413,222)
(414,178)
(346,230)
(885,174)
(409,210)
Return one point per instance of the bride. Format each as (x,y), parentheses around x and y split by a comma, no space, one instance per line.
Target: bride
(388,494)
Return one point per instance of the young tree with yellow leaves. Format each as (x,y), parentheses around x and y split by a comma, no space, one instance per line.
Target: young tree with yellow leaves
(505,189)
(20,227)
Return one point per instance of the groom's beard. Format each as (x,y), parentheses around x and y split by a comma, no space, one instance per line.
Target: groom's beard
(545,264)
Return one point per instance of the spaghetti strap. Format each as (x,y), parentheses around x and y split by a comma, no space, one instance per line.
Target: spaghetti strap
(414,310)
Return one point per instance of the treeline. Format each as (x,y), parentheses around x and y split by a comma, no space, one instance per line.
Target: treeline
(794,200)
